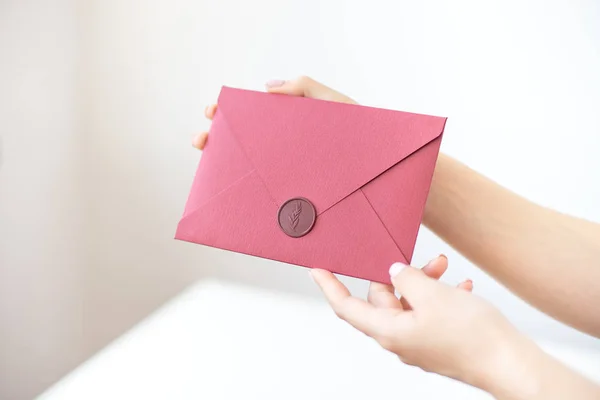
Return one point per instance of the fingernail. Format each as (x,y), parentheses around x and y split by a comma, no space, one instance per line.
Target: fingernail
(434,259)
(273,83)
(396,268)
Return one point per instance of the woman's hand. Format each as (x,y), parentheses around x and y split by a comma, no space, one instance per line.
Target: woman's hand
(445,330)
(457,334)
(437,327)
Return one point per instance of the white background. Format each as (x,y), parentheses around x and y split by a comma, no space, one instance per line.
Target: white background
(99,99)
(223,341)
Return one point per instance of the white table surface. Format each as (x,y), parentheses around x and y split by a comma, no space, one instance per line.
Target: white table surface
(219,340)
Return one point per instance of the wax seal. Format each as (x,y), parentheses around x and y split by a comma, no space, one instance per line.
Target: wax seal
(297,217)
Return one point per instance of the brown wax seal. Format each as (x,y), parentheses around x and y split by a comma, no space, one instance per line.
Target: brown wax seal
(297,217)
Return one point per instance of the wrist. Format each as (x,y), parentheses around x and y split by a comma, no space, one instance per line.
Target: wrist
(510,371)
(442,184)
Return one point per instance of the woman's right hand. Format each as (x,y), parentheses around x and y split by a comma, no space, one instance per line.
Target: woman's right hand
(454,336)
(450,331)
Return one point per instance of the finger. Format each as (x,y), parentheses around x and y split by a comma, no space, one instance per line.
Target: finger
(433,269)
(466,285)
(412,284)
(199,141)
(307,87)
(436,267)
(382,295)
(358,313)
(209,111)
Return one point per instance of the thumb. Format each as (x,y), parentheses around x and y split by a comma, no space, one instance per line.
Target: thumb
(412,284)
(307,87)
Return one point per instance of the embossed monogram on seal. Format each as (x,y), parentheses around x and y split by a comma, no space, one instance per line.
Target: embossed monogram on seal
(297,217)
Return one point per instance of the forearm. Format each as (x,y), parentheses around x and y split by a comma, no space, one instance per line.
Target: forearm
(525,372)
(550,259)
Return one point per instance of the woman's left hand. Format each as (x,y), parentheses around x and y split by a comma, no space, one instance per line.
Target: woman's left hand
(439,328)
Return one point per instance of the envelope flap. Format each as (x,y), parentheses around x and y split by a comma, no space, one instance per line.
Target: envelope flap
(321,150)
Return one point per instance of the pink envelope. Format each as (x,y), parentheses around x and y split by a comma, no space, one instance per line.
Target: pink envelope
(314,183)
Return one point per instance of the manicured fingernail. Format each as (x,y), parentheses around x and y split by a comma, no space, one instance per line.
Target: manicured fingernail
(396,268)
(273,83)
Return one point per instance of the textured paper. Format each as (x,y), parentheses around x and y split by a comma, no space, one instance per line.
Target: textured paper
(366,170)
